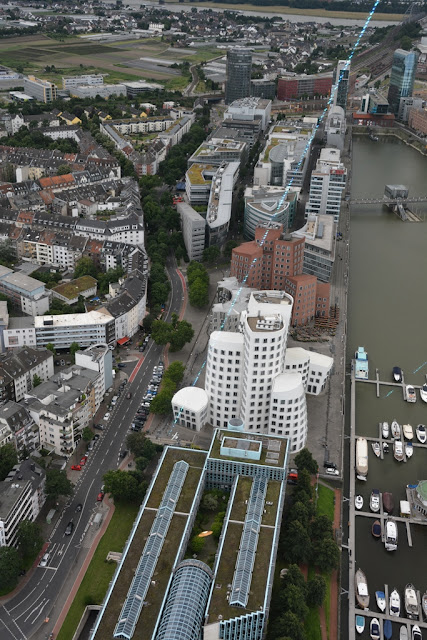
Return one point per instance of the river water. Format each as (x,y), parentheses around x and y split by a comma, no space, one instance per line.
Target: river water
(387,311)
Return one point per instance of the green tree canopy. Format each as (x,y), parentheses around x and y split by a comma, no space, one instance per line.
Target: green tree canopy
(293,599)
(8,459)
(316,591)
(297,543)
(10,566)
(63,169)
(140,445)
(199,293)
(57,484)
(36,380)
(211,254)
(304,460)
(174,372)
(87,434)
(122,485)
(326,554)
(51,348)
(85,267)
(74,347)
(30,540)
(197,544)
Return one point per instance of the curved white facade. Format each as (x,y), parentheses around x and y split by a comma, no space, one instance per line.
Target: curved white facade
(224,370)
(288,413)
(190,407)
(315,368)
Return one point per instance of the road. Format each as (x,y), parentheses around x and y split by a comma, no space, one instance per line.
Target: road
(23,616)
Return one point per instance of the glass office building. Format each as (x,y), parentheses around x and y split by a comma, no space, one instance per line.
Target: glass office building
(239,67)
(402,77)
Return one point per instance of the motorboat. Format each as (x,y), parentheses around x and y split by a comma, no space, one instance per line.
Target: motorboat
(388,502)
(398,450)
(410,393)
(397,374)
(387,629)
(362,458)
(376,449)
(409,449)
(360,624)
(423,392)
(376,532)
(424,603)
(374,629)
(411,601)
(403,634)
(374,501)
(361,588)
(421,433)
(416,633)
(395,603)
(390,541)
(385,428)
(358,502)
(408,431)
(386,447)
(380,598)
(361,365)
(395,429)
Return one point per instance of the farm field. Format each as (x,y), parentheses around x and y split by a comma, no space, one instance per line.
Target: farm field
(120,60)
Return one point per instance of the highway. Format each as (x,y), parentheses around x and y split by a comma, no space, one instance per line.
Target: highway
(23,616)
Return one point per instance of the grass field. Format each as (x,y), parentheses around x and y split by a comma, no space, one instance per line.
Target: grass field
(76,56)
(325,502)
(320,13)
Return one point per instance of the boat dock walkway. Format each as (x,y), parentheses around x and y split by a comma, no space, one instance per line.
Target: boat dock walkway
(377,382)
(386,616)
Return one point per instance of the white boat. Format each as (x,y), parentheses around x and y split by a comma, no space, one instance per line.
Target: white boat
(408,431)
(423,392)
(403,634)
(424,603)
(397,374)
(395,603)
(395,429)
(362,458)
(390,541)
(358,502)
(376,449)
(410,393)
(374,629)
(380,598)
(385,430)
(409,449)
(411,602)
(386,448)
(421,433)
(361,588)
(360,624)
(416,633)
(374,501)
(398,450)
(361,365)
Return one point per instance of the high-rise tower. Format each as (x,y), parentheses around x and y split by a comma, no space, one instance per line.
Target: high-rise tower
(239,66)
(342,80)
(402,77)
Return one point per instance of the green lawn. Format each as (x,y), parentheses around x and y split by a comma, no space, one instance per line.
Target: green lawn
(325,502)
(312,625)
(99,573)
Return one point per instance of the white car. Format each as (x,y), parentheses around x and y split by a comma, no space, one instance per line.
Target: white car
(331,471)
(107,416)
(45,560)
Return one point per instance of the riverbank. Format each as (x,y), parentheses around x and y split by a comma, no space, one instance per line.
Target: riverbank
(401,134)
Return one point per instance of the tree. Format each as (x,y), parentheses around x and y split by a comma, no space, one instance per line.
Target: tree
(87,434)
(51,348)
(210,502)
(140,445)
(293,599)
(197,544)
(30,540)
(294,576)
(199,294)
(36,380)
(211,254)
(299,512)
(57,484)
(287,626)
(305,460)
(320,527)
(122,486)
(326,555)
(183,333)
(228,249)
(74,347)
(297,543)
(63,169)
(8,459)
(316,591)
(303,485)
(175,372)
(7,254)
(85,267)
(10,566)
(161,403)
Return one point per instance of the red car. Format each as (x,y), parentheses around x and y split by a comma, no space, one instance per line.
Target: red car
(83,461)
(76,467)
(100,497)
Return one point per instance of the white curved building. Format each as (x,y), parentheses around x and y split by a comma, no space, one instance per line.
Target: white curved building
(224,370)
(288,412)
(315,368)
(190,407)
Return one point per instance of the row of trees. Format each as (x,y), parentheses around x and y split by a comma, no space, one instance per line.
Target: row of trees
(171,379)
(177,333)
(198,282)
(86,267)
(35,139)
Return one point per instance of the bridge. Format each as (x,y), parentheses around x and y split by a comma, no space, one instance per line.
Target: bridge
(388,201)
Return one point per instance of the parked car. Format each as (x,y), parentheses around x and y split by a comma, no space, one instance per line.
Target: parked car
(128,395)
(96,436)
(100,496)
(76,467)
(331,471)
(44,560)
(83,461)
(100,427)
(69,528)
(121,365)
(107,416)
(123,453)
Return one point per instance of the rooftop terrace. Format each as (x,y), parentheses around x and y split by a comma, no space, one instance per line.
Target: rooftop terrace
(272,453)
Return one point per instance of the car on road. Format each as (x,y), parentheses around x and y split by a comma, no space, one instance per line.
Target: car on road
(100,427)
(83,461)
(44,560)
(100,496)
(69,528)
(121,365)
(142,349)
(330,465)
(107,416)
(123,453)
(128,395)
(79,507)
(76,467)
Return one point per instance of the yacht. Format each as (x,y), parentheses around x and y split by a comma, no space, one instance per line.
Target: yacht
(423,392)
(386,448)
(421,433)
(390,541)
(376,532)
(380,598)
(358,502)
(416,633)
(409,449)
(361,586)
(374,629)
(397,374)
(403,634)
(388,502)
(376,449)
(395,603)
(387,629)
(362,458)
(408,431)
(398,450)
(360,624)
(410,393)
(374,501)
(411,601)
(424,603)
(385,430)
(395,429)
(361,366)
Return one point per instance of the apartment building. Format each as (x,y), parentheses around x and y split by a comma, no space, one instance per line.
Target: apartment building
(18,368)
(218,213)
(264,205)
(98,358)
(319,250)
(24,432)
(216,151)
(69,82)
(327,185)
(198,181)
(84,328)
(24,292)
(41,90)
(193,227)
(294,86)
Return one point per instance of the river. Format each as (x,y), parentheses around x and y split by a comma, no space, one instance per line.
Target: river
(387,311)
